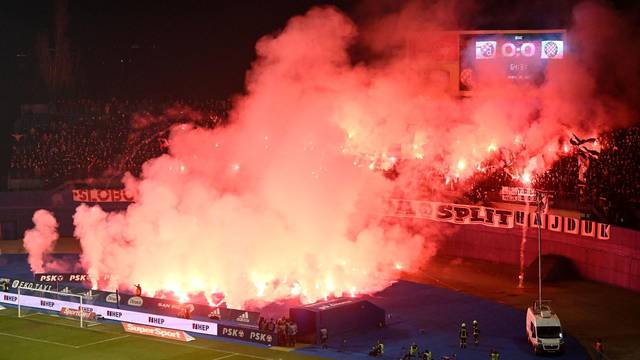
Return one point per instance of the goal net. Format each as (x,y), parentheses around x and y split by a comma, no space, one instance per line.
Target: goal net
(63,304)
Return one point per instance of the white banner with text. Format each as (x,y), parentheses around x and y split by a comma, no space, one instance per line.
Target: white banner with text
(499,218)
(208,328)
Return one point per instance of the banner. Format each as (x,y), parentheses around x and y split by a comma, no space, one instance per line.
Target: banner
(14,284)
(173,308)
(453,213)
(157,332)
(235,332)
(499,218)
(101,195)
(208,328)
(168,307)
(518,194)
(64,277)
(142,304)
(87,315)
(242,317)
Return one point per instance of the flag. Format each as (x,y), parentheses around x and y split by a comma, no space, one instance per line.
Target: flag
(542,202)
(582,146)
(583,165)
(575,140)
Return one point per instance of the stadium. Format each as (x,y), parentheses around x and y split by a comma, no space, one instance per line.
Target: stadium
(320,180)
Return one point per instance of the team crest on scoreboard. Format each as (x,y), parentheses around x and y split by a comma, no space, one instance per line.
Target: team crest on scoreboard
(552,49)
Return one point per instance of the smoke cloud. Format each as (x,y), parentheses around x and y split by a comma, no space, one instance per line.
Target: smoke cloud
(288,198)
(40,241)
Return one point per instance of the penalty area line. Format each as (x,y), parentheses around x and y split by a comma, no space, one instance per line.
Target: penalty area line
(224,356)
(102,341)
(202,348)
(39,340)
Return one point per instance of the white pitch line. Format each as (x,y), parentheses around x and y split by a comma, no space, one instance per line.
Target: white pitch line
(39,340)
(31,314)
(202,347)
(224,357)
(229,353)
(102,341)
(75,326)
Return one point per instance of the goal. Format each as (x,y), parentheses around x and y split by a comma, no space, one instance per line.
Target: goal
(63,304)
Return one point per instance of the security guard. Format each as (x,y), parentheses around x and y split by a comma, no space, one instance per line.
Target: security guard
(378,349)
(427,355)
(413,350)
(494,355)
(476,333)
(463,336)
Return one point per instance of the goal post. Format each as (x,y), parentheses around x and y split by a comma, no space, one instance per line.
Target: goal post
(62,303)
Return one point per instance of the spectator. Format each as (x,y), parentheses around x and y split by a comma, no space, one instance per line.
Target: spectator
(292,331)
(324,337)
(599,347)
(271,326)
(88,138)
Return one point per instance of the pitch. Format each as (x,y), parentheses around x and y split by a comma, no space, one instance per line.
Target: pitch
(44,336)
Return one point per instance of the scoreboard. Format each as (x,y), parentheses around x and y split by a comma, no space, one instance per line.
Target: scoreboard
(520,56)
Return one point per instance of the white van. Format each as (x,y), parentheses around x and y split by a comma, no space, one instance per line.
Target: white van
(544,331)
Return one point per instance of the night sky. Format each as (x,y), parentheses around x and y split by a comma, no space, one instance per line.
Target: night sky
(182,49)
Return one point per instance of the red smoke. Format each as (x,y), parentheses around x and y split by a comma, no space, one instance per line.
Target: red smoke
(286,200)
(40,241)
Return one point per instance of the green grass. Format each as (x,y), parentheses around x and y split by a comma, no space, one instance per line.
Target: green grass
(41,336)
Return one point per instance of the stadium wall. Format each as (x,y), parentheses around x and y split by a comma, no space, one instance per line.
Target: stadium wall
(615,261)
(17,208)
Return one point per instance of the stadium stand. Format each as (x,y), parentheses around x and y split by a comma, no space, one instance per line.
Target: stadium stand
(67,140)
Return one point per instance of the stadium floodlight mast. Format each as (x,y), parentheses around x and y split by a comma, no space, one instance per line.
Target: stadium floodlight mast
(23,289)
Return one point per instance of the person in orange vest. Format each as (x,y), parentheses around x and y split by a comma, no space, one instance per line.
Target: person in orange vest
(138,290)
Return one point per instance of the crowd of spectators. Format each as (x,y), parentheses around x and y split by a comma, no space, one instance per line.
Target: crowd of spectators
(603,183)
(612,181)
(82,139)
(284,328)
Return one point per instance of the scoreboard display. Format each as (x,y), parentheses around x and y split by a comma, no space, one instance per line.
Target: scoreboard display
(514,55)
